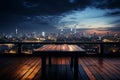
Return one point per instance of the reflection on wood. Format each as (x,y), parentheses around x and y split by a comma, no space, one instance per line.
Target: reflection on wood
(90,68)
(62,47)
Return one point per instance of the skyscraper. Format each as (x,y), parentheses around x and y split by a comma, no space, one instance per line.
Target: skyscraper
(71,29)
(16,31)
(94,34)
(61,31)
(43,34)
(75,31)
(108,34)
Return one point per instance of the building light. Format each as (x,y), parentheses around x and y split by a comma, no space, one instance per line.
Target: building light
(61,29)
(113,50)
(16,31)
(43,34)
(71,29)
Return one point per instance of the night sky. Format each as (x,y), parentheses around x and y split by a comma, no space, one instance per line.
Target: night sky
(52,15)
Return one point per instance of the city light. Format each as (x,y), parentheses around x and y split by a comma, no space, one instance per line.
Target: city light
(43,34)
(71,29)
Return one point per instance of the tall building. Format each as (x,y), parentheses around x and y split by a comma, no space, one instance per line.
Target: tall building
(108,34)
(94,34)
(75,31)
(34,34)
(43,34)
(61,31)
(71,29)
(16,31)
(83,34)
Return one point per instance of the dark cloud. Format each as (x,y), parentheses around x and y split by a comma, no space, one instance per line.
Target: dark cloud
(109,4)
(115,22)
(101,29)
(114,13)
(113,4)
(31,7)
(52,7)
(113,29)
(117,28)
(34,13)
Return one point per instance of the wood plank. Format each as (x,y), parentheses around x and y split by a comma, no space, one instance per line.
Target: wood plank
(108,70)
(68,70)
(88,72)
(34,73)
(22,70)
(100,68)
(31,70)
(12,69)
(112,69)
(82,73)
(94,68)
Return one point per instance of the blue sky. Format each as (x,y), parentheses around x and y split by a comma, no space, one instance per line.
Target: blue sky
(90,18)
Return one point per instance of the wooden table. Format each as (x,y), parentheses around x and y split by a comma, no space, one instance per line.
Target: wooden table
(61,50)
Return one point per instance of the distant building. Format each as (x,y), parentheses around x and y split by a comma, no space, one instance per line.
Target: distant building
(34,34)
(16,31)
(71,29)
(100,38)
(75,31)
(61,31)
(108,34)
(83,34)
(43,34)
(94,34)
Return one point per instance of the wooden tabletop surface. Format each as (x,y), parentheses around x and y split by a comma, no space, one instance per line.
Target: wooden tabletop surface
(59,47)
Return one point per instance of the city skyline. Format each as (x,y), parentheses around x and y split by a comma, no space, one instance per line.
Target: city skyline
(52,16)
